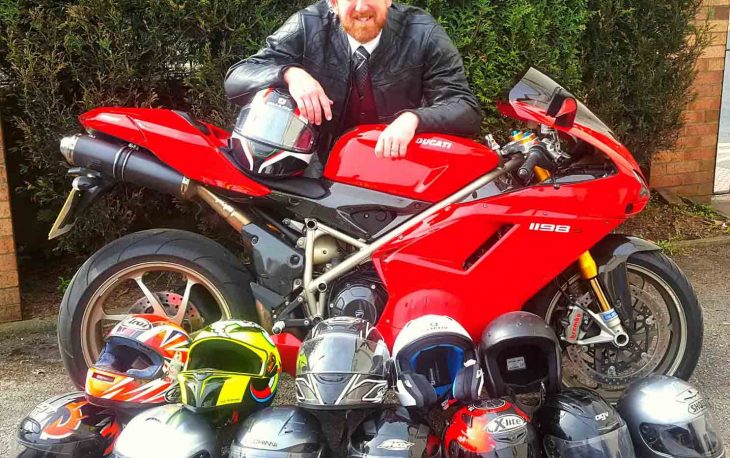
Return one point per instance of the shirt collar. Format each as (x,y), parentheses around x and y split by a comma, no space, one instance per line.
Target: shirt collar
(369,46)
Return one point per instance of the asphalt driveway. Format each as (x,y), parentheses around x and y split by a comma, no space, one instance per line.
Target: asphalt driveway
(31,370)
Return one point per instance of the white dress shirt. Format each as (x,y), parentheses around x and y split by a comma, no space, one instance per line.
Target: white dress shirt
(369,46)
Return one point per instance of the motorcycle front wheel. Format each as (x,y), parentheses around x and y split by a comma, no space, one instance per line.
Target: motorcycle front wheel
(666,335)
(184,276)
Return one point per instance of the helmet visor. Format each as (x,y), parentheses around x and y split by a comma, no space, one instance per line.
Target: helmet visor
(226,355)
(616,444)
(125,356)
(274,126)
(342,354)
(696,439)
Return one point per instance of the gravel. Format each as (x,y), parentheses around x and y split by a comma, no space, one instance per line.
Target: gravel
(31,370)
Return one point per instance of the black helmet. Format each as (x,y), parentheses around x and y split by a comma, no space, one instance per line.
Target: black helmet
(342,364)
(67,426)
(578,423)
(279,432)
(271,138)
(392,434)
(669,417)
(490,428)
(520,354)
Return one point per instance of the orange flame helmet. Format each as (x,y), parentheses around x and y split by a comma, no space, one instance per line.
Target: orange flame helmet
(67,425)
(138,366)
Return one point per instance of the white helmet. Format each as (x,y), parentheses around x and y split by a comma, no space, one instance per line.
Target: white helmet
(435,360)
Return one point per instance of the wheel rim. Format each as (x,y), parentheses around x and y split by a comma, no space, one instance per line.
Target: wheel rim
(155,293)
(668,331)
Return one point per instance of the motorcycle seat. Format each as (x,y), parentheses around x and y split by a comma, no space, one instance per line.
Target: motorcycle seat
(311,188)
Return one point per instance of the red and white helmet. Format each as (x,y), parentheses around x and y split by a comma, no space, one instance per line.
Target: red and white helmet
(138,366)
(271,137)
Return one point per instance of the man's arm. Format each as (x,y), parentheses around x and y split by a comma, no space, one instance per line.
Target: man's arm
(283,49)
(450,105)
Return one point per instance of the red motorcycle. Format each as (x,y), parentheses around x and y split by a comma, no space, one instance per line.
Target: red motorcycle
(456,228)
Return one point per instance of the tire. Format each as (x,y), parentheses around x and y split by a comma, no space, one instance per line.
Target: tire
(658,270)
(219,287)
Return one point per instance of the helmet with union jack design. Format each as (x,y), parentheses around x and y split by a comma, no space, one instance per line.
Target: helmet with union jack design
(138,365)
(271,137)
(69,426)
(233,364)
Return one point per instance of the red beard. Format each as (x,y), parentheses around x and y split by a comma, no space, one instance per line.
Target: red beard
(364,31)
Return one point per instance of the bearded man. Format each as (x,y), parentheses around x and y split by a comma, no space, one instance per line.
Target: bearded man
(351,62)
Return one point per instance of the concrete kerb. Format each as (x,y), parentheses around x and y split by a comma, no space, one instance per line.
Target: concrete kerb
(710,241)
(34,325)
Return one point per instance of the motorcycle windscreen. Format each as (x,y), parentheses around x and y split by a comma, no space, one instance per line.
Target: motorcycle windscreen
(531,97)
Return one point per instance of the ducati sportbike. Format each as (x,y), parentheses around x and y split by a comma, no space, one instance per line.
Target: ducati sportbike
(455,228)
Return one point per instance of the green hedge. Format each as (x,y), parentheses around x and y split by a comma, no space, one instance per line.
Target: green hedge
(631,60)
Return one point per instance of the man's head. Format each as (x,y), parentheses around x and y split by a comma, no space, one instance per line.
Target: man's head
(362,19)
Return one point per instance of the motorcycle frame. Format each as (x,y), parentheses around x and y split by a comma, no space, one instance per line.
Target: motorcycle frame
(314,289)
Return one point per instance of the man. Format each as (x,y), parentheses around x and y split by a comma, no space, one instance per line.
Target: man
(350,62)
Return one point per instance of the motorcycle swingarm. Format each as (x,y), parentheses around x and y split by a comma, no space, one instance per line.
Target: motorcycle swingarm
(88,185)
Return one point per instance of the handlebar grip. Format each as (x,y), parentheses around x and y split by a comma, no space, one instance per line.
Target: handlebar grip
(527,169)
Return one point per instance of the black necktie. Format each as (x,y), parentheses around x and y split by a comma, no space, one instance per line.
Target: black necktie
(361,57)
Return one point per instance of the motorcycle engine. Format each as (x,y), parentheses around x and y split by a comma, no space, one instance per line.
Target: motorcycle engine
(360,294)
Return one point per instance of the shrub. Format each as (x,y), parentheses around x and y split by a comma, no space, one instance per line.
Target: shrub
(61,58)
(638,63)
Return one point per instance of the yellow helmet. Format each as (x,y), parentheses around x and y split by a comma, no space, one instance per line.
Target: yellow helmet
(231,364)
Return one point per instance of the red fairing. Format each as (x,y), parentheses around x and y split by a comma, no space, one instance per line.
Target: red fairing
(455,263)
(435,165)
(177,143)
(288,346)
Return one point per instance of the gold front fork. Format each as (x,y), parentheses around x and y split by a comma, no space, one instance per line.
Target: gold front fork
(608,316)
(589,270)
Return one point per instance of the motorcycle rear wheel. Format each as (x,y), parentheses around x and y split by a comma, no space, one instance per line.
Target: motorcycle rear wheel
(672,318)
(182,275)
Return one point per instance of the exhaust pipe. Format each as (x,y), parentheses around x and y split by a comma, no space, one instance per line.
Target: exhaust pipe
(124,163)
(128,164)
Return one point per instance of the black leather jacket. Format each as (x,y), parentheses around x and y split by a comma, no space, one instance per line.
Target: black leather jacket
(415,68)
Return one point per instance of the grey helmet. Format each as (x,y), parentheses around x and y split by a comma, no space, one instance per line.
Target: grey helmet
(279,432)
(393,434)
(170,431)
(520,354)
(343,363)
(668,417)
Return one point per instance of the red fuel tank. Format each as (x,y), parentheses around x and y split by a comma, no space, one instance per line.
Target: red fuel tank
(435,165)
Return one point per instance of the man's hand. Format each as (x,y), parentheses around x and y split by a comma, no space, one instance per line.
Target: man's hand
(308,94)
(394,140)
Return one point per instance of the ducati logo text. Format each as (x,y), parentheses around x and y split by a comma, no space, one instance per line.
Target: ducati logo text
(443,144)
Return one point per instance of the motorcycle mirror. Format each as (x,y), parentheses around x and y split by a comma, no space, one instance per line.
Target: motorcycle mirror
(563,107)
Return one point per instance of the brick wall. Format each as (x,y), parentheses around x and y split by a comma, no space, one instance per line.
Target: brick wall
(689,169)
(9,290)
